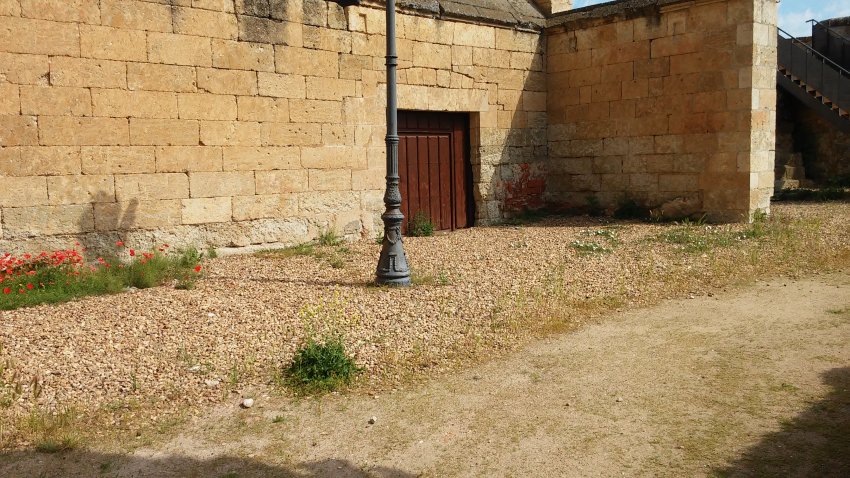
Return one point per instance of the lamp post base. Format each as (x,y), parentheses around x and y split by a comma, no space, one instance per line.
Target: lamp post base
(392,264)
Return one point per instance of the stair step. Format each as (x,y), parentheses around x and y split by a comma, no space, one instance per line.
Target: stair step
(814,93)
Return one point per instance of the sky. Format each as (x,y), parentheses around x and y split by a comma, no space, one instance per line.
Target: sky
(792,13)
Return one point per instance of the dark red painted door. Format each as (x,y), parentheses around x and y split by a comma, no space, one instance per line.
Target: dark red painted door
(434,166)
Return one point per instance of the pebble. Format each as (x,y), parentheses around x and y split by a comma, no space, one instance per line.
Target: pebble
(247,402)
(212,382)
(373,420)
(619,399)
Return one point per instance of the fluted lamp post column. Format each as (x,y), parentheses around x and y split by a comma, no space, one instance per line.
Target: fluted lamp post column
(392,264)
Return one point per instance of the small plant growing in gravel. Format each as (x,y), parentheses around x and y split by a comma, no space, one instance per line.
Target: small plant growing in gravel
(304,249)
(321,363)
(52,432)
(589,247)
(697,236)
(11,387)
(321,366)
(336,262)
(56,445)
(329,237)
(420,225)
(442,278)
(758,228)
(608,234)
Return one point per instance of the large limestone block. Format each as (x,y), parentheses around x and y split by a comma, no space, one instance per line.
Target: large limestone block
(136,214)
(165,132)
(206,210)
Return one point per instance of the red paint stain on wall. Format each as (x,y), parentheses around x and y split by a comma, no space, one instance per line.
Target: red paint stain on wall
(526,192)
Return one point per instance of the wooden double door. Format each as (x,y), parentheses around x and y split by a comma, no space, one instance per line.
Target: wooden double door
(435,170)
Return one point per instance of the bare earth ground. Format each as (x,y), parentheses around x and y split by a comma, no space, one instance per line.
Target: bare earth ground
(747,383)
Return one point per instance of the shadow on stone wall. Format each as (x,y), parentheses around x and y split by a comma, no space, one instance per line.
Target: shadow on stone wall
(106,222)
(84,464)
(509,165)
(823,146)
(816,443)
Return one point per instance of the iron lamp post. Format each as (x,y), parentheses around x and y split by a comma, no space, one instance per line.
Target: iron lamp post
(392,264)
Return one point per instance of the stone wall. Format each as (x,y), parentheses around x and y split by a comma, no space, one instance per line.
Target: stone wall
(243,122)
(664,102)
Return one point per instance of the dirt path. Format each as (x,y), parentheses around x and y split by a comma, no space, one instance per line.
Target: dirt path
(751,383)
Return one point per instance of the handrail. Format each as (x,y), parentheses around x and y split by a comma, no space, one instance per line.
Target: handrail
(829,29)
(816,53)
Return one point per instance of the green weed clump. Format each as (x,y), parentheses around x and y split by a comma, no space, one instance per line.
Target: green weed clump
(420,225)
(321,366)
(593,246)
(329,238)
(326,248)
(697,236)
(63,275)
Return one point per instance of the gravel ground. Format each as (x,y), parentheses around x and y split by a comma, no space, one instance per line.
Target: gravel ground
(480,291)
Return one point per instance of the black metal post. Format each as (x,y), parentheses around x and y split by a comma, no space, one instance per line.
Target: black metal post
(392,265)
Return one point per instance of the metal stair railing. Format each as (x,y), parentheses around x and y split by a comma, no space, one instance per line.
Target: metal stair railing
(830,43)
(815,72)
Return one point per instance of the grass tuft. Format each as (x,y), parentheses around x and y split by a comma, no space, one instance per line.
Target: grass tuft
(321,366)
(56,445)
(420,225)
(329,238)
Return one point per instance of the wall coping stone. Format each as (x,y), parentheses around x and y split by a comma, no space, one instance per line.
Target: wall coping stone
(518,14)
(612,12)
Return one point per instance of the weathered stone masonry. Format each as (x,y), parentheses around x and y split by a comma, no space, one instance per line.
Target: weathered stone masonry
(262,121)
(239,122)
(659,101)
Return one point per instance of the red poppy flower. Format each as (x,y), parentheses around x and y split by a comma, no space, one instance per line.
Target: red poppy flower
(30,286)
(197,268)
(119,243)
(132,252)
(7,290)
